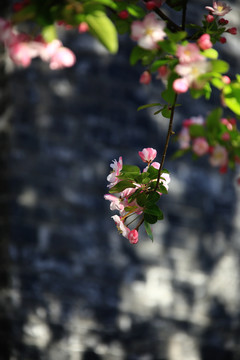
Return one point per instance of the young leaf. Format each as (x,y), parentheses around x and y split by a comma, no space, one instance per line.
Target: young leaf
(148,106)
(49,33)
(130,168)
(103,28)
(210,53)
(148,229)
(231,95)
(137,54)
(166,112)
(197,130)
(212,122)
(122,185)
(220,66)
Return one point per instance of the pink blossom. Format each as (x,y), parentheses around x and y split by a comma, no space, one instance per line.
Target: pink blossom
(145,78)
(180,85)
(133,236)
(123,229)
(115,203)
(225,136)
(22,53)
(204,42)
(148,31)
(163,72)
(219,8)
(184,138)
(219,156)
(117,167)
(190,72)
(200,146)
(189,53)
(63,57)
(226,79)
(147,154)
(193,120)
(227,123)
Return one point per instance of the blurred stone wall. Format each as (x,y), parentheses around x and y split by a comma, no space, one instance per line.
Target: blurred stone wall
(78,290)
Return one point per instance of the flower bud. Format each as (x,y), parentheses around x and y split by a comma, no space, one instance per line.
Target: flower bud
(123,14)
(145,78)
(232,31)
(204,42)
(222,40)
(223,21)
(226,136)
(180,85)
(209,18)
(133,236)
(147,154)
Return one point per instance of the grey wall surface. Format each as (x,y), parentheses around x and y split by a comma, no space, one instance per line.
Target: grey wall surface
(76,290)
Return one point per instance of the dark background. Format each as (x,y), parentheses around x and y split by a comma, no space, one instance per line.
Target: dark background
(71,287)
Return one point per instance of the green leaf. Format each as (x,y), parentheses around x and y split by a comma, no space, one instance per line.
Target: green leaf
(152,198)
(218,83)
(220,66)
(154,210)
(212,122)
(148,106)
(111,4)
(137,54)
(177,36)
(148,229)
(131,169)
(151,219)
(103,28)
(210,53)
(122,185)
(135,11)
(197,130)
(153,173)
(231,95)
(168,46)
(166,112)
(141,199)
(162,188)
(49,33)
(179,153)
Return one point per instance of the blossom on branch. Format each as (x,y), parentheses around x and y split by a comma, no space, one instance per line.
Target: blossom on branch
(148,31)
(147,155)
(117,167)
(219,8)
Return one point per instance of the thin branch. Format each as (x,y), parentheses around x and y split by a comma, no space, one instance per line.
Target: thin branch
(169,133)
(171,24)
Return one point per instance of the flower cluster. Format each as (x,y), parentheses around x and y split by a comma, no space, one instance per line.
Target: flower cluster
(217,137)
(192,64)
(136,194)
(22,48)
(215,24)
